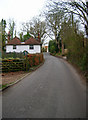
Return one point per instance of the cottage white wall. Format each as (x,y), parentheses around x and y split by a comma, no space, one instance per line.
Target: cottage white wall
(21,48)
(9,48)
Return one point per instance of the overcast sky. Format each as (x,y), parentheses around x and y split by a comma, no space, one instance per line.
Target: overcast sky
(20,10)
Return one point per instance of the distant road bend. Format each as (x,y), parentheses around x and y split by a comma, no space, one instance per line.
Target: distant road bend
(52,91)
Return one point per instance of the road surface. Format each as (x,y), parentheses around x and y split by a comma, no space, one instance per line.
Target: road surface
(54,90)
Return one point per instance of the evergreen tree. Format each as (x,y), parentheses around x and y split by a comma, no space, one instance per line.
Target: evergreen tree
(3,33)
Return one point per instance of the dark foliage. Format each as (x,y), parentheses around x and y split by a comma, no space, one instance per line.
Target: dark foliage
(53,47)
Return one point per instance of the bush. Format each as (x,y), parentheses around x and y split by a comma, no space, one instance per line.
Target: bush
(35,59)
(77,52)
(12,55)
(44,49)
(53,47)
(83,62)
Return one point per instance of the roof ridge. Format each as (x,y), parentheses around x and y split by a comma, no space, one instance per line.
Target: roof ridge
(15,40)
(29,41)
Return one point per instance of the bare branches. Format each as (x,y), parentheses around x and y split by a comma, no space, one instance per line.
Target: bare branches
(79,8)
(38,27)
(82,12)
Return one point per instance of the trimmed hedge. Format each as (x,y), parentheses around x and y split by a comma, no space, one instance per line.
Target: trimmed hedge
(12,55)
(35,59)
(12,65)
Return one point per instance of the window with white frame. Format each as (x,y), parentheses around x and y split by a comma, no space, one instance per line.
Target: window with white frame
(31,47)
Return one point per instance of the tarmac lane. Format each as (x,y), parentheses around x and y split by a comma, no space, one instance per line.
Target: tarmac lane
(55,90)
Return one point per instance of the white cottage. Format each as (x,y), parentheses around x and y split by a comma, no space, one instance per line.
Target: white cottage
(31,45)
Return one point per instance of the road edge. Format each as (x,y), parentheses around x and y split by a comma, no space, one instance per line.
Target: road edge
(18,80)
(79,72)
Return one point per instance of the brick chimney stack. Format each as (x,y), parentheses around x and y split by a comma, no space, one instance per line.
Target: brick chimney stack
(39,37)
(8,36)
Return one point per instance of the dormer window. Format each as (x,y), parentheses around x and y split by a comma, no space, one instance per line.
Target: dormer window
(31,47)
(14,46)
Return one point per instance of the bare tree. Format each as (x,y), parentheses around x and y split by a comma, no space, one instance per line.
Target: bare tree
(25,27)
(80,8)
(35,27)
(54,17)
(77,7)
(11,28)
(38,29)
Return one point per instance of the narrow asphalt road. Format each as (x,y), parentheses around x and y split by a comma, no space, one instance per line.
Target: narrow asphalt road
(55,90)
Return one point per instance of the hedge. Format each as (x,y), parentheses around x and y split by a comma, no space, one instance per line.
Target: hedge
(12,55)
(35,59)
(12,65)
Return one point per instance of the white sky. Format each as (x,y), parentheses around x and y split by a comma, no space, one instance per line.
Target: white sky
(20,10)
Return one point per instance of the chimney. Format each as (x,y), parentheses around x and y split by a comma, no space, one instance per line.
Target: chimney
(39,37)
(8,36)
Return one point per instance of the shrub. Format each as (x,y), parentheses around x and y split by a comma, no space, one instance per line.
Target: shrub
(17,64)
(53,47)
(12,55)
(35,59)
(12,65)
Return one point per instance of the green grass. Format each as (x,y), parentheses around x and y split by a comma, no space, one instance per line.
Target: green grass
(3,86)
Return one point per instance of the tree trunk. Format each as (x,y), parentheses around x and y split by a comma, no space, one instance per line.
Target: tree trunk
(62,48)
(57,42)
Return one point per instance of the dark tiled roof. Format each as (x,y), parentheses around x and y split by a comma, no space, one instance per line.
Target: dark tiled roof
(14,41)
(32,41)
